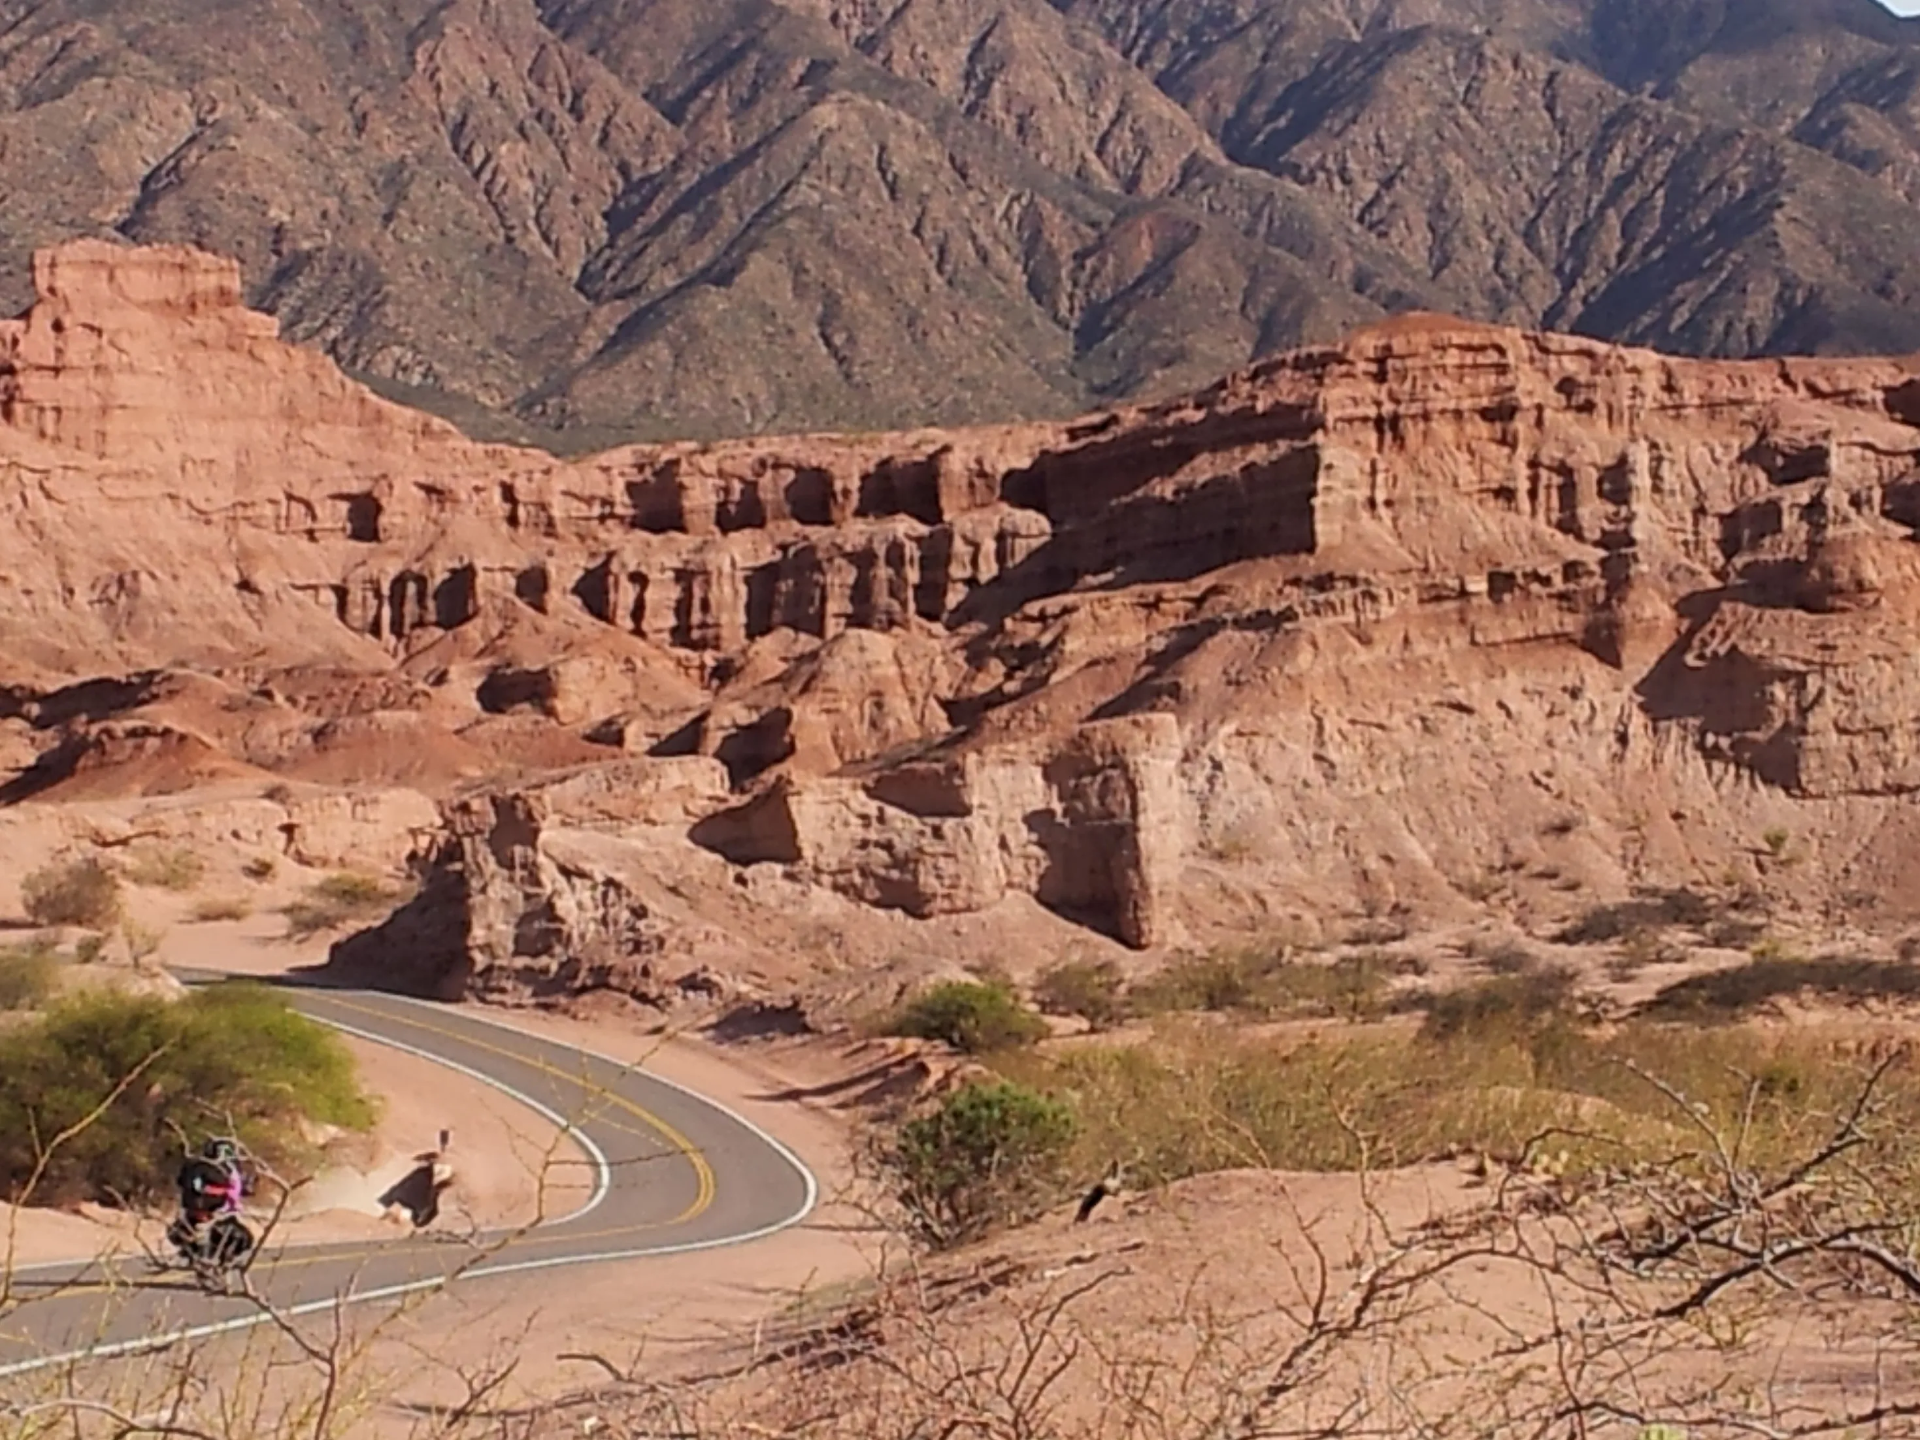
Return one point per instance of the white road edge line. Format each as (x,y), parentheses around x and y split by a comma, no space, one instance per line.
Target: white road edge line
(602,1167)
(147,1344)
(807,1180)
(810,1185)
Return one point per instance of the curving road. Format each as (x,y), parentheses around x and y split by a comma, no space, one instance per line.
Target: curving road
(670,1170)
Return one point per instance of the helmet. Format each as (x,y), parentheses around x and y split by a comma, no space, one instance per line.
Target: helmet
(220,1149)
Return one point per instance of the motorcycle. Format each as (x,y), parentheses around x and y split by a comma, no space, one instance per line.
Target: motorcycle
(209,1236)
(216,1249)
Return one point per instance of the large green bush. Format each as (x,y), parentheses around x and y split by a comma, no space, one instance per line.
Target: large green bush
(231,1058)
(970,1016)
(989,1156)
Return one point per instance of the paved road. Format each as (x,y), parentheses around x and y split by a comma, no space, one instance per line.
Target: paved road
(670,1172)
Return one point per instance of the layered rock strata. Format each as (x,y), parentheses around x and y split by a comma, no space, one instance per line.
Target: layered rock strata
(925,670)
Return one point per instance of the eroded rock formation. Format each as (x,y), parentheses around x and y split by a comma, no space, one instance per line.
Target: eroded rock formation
(512,906)
(1095,827)
(1347,627)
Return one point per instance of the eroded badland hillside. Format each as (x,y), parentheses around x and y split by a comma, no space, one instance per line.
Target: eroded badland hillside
(1443,616)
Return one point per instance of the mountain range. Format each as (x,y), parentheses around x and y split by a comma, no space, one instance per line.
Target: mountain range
(580,221)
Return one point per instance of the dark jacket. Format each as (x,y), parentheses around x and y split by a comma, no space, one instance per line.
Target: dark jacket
(206,1186)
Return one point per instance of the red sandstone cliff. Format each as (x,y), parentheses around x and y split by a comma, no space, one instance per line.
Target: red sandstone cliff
(1356,626)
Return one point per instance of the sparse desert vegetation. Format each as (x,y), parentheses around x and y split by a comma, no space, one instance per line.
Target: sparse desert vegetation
(1728,994)
(338,900)
(1277,982)
(158,868)
(1508,1069)
(81,892)
(1089,989)
(222,907)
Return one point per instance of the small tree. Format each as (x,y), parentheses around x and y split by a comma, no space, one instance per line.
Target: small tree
(971,1017)
(84,892)
(990,1155)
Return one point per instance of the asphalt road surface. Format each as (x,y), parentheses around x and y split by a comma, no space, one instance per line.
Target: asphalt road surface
(669,1172)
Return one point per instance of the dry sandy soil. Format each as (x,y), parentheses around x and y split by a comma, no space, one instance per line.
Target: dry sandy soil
(1207,1274)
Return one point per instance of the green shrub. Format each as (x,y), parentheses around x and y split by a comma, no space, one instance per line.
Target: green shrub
(231,1057)
(223,908)
(26,976)
(83,892)
(970,1016)
(260,868)
(1197,982)
(989,1156)
(1089,989)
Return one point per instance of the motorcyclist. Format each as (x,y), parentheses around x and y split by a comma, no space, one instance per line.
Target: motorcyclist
(211,1183)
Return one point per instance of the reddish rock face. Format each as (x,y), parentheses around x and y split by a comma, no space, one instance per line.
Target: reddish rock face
(283,504)
(1349,604)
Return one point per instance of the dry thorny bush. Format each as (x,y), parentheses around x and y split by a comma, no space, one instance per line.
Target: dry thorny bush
(1701,1290)
(1698,1290)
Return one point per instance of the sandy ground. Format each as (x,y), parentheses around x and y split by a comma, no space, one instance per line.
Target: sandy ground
(1184,1297)
(1211,1272)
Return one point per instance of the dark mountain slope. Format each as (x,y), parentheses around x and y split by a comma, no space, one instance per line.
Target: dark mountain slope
(582,219)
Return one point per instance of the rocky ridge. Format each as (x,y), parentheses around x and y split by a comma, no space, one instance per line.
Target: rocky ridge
(592,220)
(1350,631)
